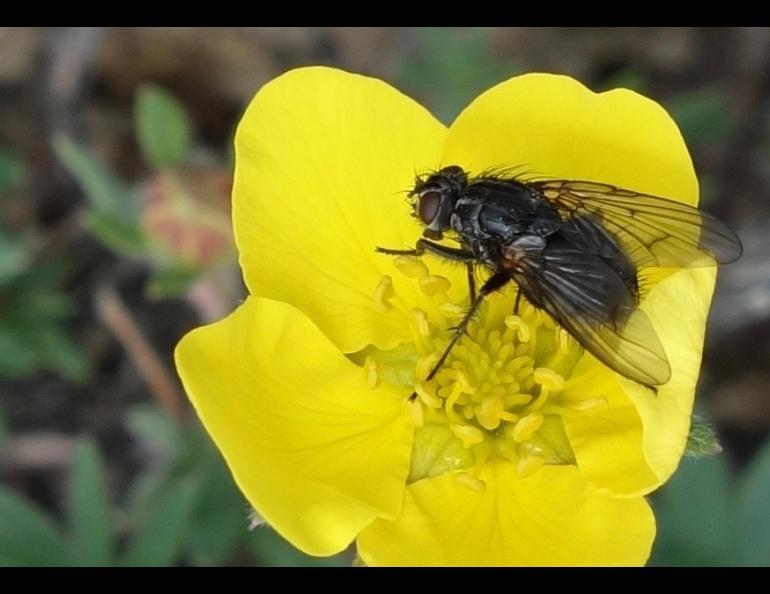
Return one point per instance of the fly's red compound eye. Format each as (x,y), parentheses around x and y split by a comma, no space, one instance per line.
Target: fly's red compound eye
(428,207)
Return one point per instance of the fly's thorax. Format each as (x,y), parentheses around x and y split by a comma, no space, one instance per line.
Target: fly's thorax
(502,392)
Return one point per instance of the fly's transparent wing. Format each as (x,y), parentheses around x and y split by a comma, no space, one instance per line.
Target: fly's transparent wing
(593,303)
(653,231)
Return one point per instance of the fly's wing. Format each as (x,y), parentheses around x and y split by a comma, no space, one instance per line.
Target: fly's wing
(591,302)
(653,231)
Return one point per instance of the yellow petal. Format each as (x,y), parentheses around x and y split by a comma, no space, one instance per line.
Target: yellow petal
(678,308)
(550,518)
(316,451)
(608,446)
(554,126)
(324,160)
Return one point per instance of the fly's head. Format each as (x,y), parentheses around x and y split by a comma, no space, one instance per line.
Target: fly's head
(436,195)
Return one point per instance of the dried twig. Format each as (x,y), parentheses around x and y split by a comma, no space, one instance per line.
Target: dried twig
(164,387)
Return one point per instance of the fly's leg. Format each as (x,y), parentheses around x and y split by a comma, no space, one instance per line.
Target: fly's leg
(423,246)
(518,301)
(495,282)
(448,253)
(471,281)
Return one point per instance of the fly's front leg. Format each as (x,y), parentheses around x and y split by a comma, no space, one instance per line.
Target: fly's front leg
(442,251)
(423,246)
(495,282)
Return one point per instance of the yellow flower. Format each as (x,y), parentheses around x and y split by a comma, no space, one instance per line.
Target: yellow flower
(523,450)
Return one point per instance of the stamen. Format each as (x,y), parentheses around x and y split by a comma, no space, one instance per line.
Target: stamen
(472,483)
(468,434)
(548,378)
(372,372)
(427,393)
(411,266)
(416,415)
(489,413)
(383,293)
(496,395)
(420,319)
(450,310)
(520,326)
(526,467)
(433,284)
(526,427)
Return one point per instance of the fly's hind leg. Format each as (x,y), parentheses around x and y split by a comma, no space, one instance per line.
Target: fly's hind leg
(518,300)
(471,281)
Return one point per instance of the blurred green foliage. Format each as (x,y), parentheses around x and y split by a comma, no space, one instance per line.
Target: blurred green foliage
(452,67)
(709,515)
(118,213)
(183,507)
(33,309)
(163,128)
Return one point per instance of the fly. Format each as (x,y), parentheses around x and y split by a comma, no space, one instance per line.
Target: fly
(574,249)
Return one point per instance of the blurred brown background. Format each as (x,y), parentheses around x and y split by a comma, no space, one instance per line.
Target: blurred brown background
(99,387)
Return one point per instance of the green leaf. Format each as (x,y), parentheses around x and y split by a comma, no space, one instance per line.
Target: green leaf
(13,256)
(455,66)
(272,550)
(3,426)
(27,535)
(162,128)
(88,509)
(220,516)
(124,237)
(13,170)
(753,511)
(30,340)
(701,115)
(156,430)
(171,281)
(160,539)
(694,515)
(106,195)
(17,357)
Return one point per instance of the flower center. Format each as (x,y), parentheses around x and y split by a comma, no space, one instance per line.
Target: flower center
(501,392)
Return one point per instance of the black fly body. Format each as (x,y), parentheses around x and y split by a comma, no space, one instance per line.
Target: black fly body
(574,249)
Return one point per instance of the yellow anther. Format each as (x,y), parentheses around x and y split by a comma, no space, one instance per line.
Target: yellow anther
(450,402)
(421,323)
(450,310)
(591,406)
(427,393)
(489,412)
(472,483)
(426,364)
(383,293)
(509,416)
(468,434)
(526,467)
(433,284)
(526,426)
(371,370)
(415,411)
(520,326)
(465,385)
(410,266)
(548,378)
(563,339)
(517,400)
